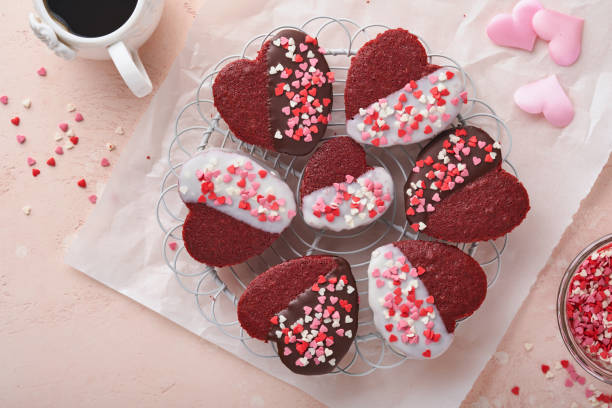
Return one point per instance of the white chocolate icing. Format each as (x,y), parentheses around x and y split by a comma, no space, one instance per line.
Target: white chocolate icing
(387,122)
(266,203)
(386,264)
(353,203)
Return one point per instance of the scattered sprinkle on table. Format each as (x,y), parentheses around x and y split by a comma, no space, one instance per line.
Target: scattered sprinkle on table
(78,117)
(63,126)
(58,136)
(93,198)
(51,162)
(82,183)
(31,161)
(104,162)
(59,150)
(4,99)
(515,390)
(119,130)
(20,139)
(110,147)
(528,346)
(70,107)
(15,121)
(26,209)
(35,172)
(173,245)
(42,71)
(27,103)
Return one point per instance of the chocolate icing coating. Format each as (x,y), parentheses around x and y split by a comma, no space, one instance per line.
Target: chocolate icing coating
(276,54)
(310,298)
(478,161)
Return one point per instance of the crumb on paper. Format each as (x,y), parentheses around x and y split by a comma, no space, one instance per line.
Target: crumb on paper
(528,346)
(70,107)
(26,209)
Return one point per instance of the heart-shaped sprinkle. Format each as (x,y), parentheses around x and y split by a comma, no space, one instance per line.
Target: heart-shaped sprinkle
(15,120)
(63,126)
(42,71)
(4,99)
(74,140)
(51,162)
(104,162)
(21,139)
(78,117)
(35,172)
(82,183)
(31,161)
(94,199)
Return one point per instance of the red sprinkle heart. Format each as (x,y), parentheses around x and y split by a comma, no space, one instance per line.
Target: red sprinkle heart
(15,121)
(82,183)
(427,353)
(51,162)
(74,140)
(515,390)
(35,172)
(545,368)
(42,71)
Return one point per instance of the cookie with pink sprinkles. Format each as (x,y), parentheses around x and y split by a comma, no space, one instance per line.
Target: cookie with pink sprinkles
(237,206)
(281,100)
(395,96)
(417,290)
(309,306)
(339,191)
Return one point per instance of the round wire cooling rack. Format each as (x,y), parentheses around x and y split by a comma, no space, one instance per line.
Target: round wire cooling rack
(216,290)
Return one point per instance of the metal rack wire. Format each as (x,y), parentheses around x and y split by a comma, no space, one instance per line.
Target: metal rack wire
(216,291)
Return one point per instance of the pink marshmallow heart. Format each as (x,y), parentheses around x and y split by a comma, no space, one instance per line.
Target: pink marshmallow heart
(563,32)
(515,30)
(548,97)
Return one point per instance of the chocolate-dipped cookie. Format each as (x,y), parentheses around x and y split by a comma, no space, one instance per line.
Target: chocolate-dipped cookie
(394,96)
(418,290)
(308,306)
(237,206)
(458,192)
(282,100)
(339,191)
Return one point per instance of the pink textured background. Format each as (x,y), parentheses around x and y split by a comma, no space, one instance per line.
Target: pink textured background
(66,340)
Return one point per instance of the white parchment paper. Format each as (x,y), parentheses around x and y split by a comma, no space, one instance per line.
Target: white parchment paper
(120,243)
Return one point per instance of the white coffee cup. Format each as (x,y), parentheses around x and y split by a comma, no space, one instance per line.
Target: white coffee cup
(120,45)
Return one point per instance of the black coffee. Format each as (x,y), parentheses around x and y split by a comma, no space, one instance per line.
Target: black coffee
(91,18)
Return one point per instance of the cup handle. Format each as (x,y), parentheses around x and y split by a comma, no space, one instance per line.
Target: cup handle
(131,69)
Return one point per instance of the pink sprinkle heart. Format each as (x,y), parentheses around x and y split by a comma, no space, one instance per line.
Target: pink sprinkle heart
(446,117)
(173,246)
(299,74)
(340,332)
(31,161)
(303,47)
(436,197)
(21,139)
(78,117)
(318,308)
(59,150)
(465,151)
(568,383)
(548,97)
(563,32)
(433,78)
(303,66)
(455,101)
(349,179)
(42,71)
(291,214)
(307,309)
(4,99)
(515,30)
(287,351)
(104,162)
(476,160)
(313,61)
(433,118)
(286,110)
(93,198)
(430,208)
(380,283)
(321,299)
(481,144)
(333,299)
(63,127)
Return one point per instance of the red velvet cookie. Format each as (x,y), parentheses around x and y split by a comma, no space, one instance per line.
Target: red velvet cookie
(417,292)
(339,191)
(237,207)
(458,191)
(394,96)
(309,306)
(280,101)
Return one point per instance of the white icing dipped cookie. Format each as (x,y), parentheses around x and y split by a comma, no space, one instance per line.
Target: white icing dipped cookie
(417,290)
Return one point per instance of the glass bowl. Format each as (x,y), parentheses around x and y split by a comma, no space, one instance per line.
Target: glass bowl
(594,366)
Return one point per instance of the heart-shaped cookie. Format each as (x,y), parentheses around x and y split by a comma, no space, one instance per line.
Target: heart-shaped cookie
(563,32)
(309,306)
(417,290)
(394,96)
(515,30)
(237,207)
(339,191)
(280,101)
(546,96)
(458,192)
